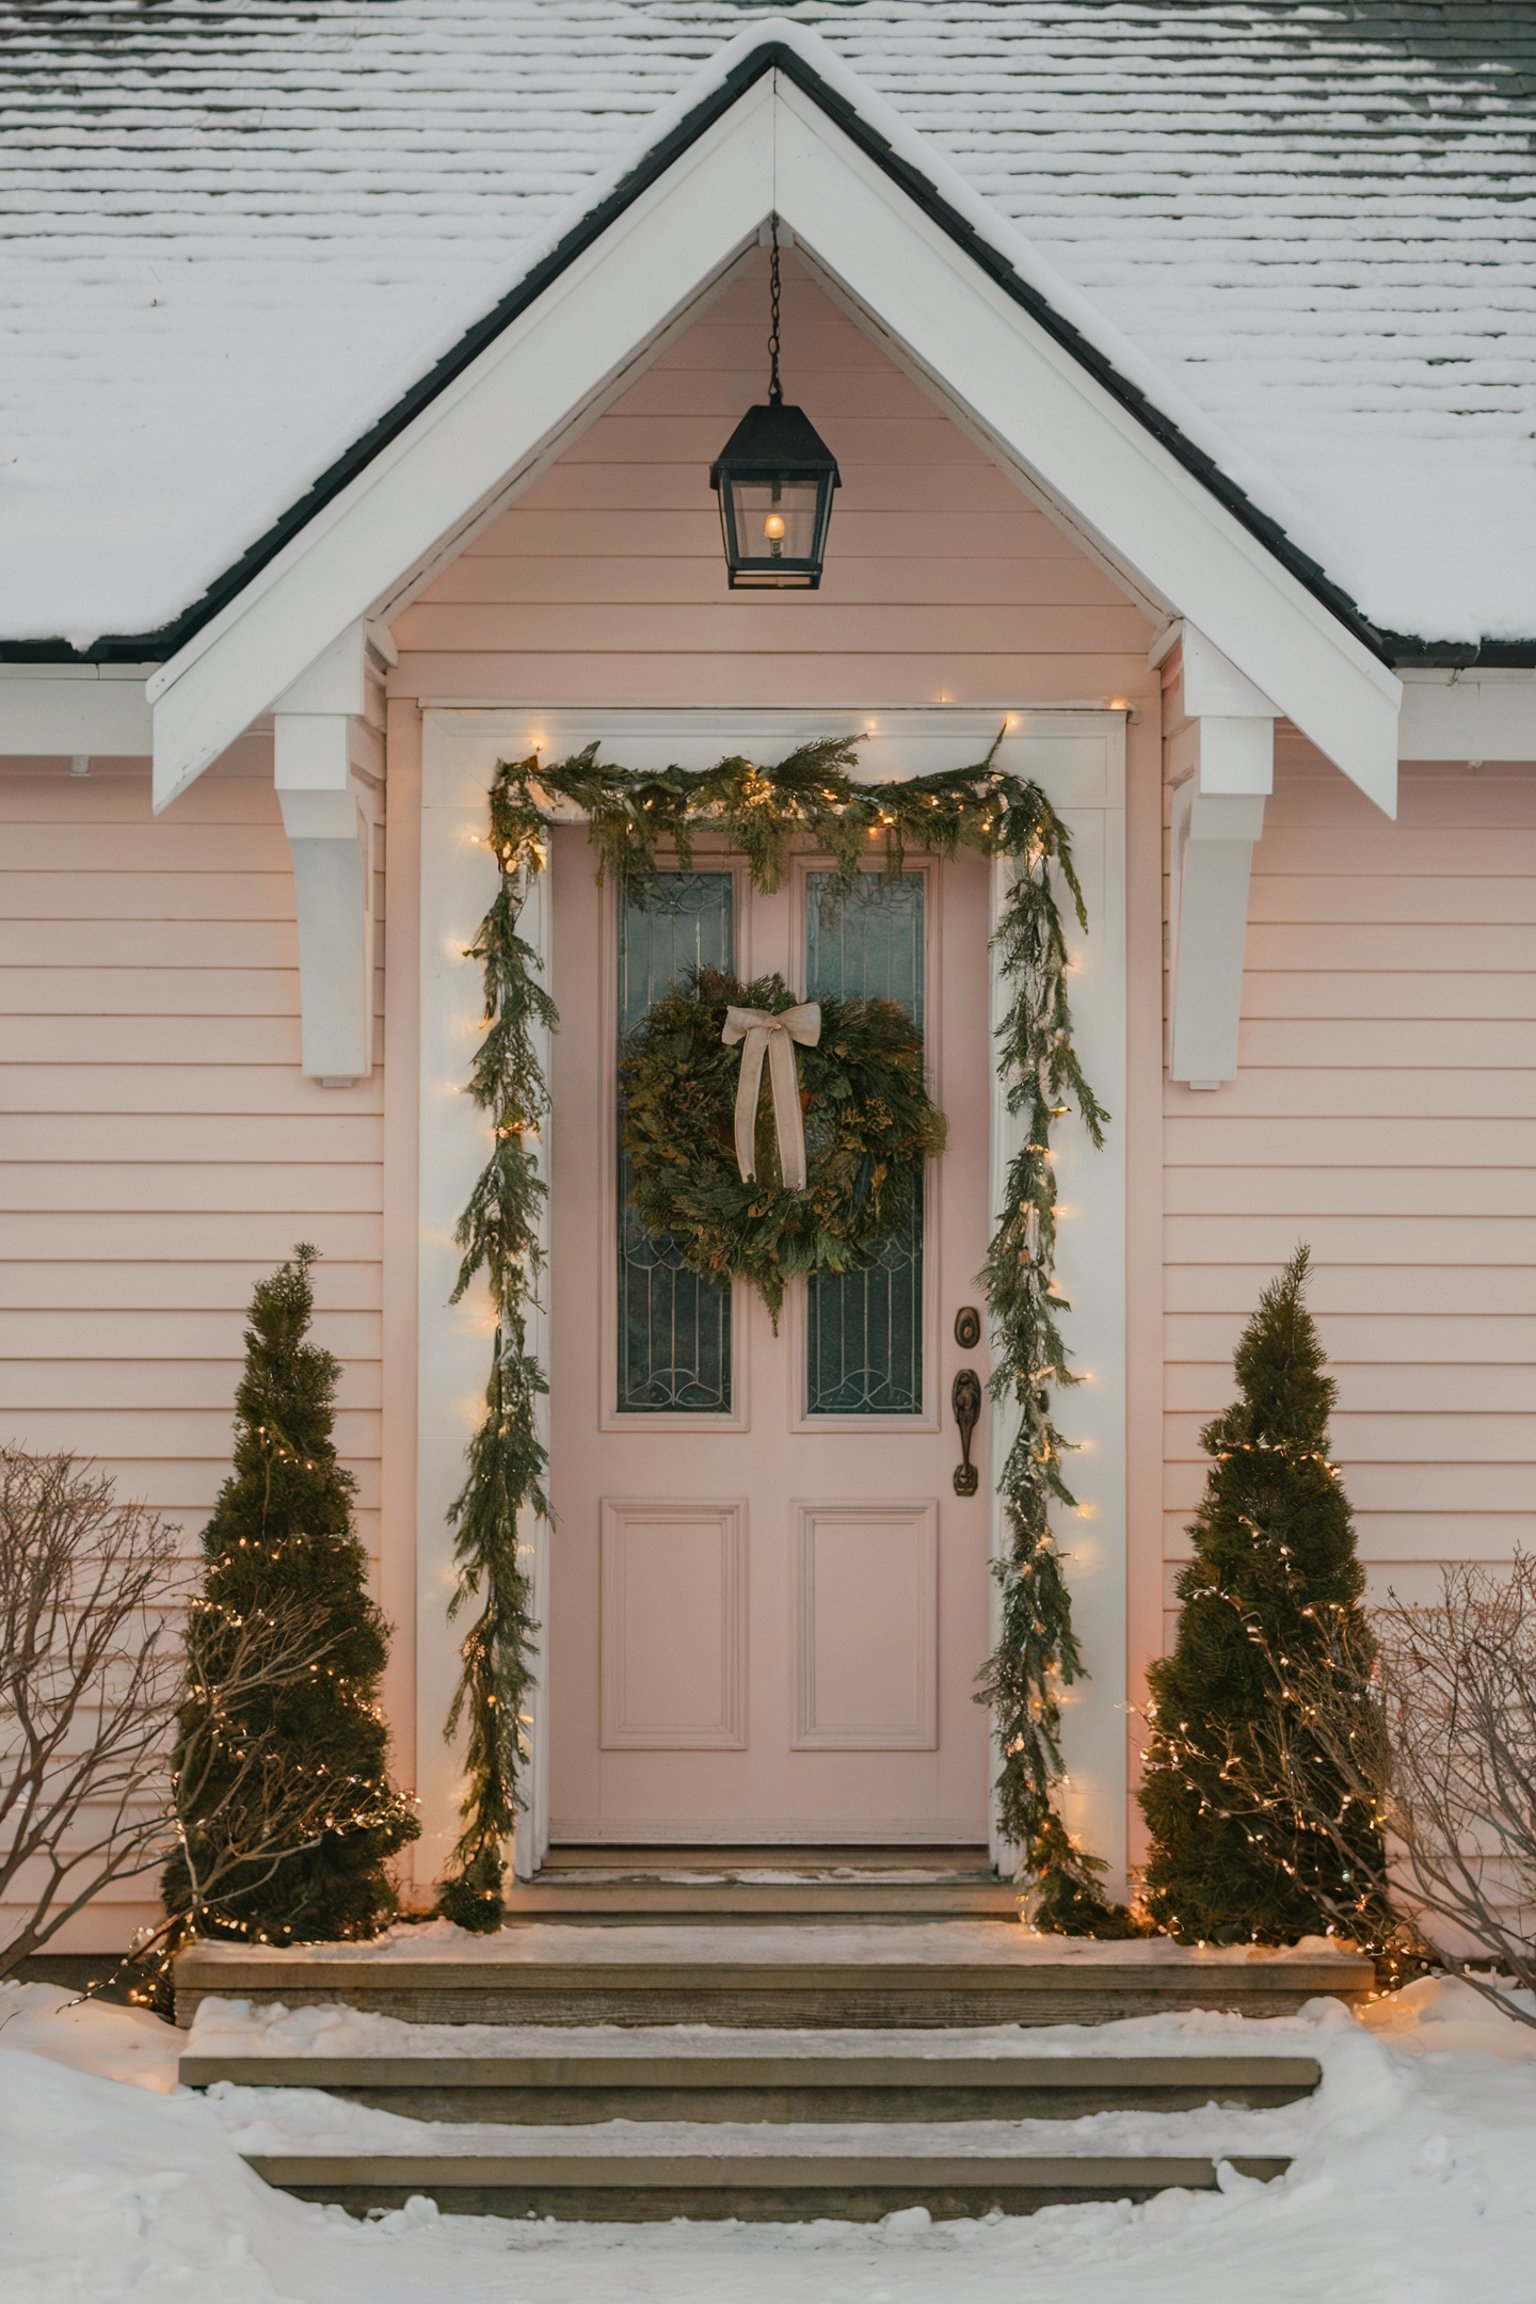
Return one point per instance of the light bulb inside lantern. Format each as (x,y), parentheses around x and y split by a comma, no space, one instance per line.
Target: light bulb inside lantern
(773,527)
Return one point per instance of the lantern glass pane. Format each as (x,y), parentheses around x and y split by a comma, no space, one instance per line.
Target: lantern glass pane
(775,520)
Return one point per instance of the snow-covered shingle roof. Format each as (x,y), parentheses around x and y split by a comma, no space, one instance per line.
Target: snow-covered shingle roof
(235,232)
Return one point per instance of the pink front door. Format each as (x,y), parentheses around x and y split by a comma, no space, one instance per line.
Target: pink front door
(768,1605)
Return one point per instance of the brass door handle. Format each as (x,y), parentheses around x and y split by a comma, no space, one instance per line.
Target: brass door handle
(965,1399)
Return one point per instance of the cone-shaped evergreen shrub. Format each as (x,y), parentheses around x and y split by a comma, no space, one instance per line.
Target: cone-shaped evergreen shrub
(1274,1587)
(304,1757)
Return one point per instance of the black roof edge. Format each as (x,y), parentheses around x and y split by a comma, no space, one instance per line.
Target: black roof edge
(1405,654)
(1394,648)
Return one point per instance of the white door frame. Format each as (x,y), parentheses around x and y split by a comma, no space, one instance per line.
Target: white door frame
(1078,757)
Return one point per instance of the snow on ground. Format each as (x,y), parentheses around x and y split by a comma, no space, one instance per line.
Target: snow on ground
(1412,2185)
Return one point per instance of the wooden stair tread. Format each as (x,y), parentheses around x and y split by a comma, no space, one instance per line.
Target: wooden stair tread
(560,2069)
(851,2182)
(841,1859)
(620,1901)
(940,1974)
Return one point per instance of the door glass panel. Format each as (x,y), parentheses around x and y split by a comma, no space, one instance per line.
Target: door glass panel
(674,1329)
(864,1330)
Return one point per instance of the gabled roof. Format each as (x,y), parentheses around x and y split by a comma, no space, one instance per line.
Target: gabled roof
(244,240)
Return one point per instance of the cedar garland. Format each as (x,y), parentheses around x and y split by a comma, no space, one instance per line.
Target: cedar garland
(810,797)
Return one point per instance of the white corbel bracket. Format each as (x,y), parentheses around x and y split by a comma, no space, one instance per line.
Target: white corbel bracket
(1224,756)
(325,761)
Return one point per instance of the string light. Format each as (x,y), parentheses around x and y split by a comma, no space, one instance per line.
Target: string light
(812,796)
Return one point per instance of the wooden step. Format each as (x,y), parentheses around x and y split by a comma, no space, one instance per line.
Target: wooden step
(794,2176)
(556,2086)
(842,1860)
(958,1973)
(616,1901)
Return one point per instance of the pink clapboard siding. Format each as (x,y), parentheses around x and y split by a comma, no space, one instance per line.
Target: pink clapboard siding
(160,1148)
(603,583)
(1386,1113)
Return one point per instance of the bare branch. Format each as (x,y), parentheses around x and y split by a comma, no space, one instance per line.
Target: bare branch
(1434,1737)
(87,1681)
(92,1691)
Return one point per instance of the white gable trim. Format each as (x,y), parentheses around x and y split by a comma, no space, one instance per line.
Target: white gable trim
(557,363)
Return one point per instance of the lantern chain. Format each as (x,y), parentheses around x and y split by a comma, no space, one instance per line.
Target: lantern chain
(775,388)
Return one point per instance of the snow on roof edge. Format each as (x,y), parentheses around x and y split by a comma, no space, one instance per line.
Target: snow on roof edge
(1247,490)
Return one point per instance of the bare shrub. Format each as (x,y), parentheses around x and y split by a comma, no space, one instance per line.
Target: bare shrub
(87,1677)
(1458,1699)
(91,1691)
(1434,1736)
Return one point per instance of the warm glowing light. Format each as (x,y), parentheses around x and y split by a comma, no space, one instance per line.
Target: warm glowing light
(773,527)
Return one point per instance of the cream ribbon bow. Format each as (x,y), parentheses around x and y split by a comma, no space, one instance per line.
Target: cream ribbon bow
(763,1033)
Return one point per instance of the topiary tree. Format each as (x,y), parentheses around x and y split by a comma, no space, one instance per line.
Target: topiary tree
(1274,1586)
(281,1551)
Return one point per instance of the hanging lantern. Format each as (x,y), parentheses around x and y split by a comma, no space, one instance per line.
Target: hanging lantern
(774,478)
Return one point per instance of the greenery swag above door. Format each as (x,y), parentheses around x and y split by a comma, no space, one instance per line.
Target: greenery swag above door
(811,797)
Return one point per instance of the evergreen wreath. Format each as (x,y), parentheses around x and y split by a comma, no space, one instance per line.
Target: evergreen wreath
(811,797)
(869,1126)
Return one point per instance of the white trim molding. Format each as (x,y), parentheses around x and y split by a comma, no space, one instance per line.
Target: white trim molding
(1078,756)
(1221,764)
(328,764)
(1472,715)
(74,710)
(566,355)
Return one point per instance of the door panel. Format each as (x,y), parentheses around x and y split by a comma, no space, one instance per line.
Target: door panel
(866,1664)
(729,1661)
(673,1635)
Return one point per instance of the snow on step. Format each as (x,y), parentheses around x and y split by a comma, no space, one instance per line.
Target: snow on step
(318,2149)
(644,2175)
(837,1975)
(562,2088)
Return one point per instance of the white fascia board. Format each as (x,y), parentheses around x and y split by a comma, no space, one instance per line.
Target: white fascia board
(524,390)
(1038,403)
(75,708)
(1471,715)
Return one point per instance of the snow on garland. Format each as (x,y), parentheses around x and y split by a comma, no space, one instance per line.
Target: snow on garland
(869,1124)
(810,797)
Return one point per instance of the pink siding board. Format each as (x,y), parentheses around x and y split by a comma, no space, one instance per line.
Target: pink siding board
(1383,1113)
(160,1148)
(1382,1341)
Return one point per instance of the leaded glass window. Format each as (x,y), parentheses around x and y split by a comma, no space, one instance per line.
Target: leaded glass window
(674,1329)
(864,1330)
